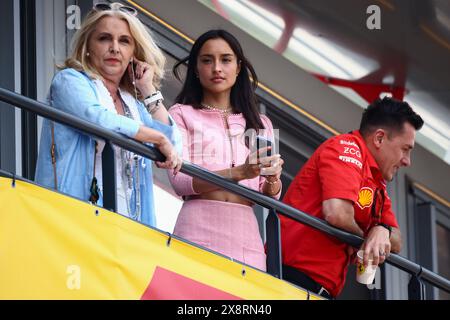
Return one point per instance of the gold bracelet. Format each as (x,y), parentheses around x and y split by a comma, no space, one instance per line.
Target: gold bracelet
(273,182)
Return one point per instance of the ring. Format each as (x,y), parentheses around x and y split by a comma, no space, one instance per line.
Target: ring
(382,254)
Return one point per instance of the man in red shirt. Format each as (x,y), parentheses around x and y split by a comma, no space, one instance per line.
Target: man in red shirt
(344,182)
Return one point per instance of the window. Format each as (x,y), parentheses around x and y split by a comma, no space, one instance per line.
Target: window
(429,235)
(443,255)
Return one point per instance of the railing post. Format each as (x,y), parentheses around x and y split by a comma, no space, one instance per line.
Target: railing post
(28,86)
(416,288)
(273,259)
(109,178)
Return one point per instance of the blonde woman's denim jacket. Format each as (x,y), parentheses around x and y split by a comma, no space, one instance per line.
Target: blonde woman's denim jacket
(74,92)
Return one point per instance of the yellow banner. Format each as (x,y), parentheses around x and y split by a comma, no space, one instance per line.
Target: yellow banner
(55,247)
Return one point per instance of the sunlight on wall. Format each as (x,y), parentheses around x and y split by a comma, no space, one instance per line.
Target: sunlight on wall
(167,208)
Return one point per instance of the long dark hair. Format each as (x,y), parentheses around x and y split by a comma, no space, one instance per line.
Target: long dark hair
(242,97)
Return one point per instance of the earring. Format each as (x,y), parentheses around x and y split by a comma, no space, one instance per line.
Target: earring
(87,54)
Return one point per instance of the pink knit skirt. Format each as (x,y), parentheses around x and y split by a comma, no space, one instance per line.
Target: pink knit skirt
(228,228)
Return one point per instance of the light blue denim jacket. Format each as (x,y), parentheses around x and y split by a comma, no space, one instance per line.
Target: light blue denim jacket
(74,92)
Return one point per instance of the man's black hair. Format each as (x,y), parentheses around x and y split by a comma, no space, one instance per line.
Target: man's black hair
(388,113)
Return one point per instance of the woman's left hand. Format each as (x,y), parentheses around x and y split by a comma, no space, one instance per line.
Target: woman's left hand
(173,160)
(143,77)
(272,168)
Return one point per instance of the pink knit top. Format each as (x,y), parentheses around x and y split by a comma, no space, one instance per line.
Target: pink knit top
(208,143)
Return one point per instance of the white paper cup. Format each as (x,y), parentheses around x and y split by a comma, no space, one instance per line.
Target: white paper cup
(365,275)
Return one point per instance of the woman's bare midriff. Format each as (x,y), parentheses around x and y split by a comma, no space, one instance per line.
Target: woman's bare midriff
(221,195)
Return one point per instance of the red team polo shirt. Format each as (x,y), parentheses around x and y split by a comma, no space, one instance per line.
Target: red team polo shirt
(342,167)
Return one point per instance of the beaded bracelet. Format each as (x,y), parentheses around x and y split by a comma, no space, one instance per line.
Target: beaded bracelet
(271,184)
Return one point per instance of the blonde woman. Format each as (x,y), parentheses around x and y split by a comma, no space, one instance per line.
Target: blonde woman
(111,79)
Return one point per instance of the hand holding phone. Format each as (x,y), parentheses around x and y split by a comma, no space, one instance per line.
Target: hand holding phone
(262,142)
(133,69)
(269,161)
(141,74)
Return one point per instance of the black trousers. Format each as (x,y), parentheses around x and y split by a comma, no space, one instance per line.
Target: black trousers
(297,277)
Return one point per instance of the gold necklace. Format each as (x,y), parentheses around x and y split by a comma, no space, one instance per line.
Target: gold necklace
(227,110)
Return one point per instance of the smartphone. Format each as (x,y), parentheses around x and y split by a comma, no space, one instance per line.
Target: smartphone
(262,142)
(133,65)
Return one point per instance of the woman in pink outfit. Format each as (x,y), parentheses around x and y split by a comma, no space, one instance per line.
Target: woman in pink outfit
(218,117)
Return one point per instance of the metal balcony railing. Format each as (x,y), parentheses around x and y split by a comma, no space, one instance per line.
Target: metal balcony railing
(418,273)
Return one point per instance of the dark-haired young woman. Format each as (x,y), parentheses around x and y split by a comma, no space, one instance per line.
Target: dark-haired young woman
(218,116)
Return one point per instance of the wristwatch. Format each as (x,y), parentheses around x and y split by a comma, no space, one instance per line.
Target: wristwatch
(385,226)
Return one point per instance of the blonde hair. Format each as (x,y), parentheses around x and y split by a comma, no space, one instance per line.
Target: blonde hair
(145,48)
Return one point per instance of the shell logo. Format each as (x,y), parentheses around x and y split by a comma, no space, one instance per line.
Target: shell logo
(365,197)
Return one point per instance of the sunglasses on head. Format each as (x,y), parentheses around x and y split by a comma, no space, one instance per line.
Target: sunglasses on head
(115,6)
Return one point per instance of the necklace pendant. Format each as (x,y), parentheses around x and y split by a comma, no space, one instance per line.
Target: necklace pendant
(128,175)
